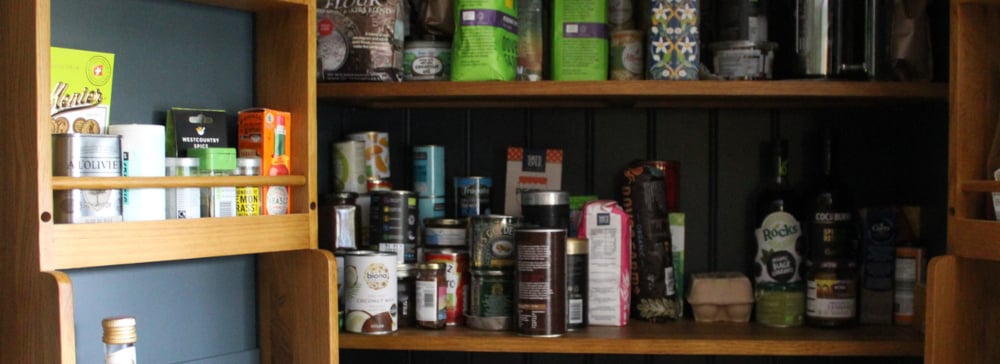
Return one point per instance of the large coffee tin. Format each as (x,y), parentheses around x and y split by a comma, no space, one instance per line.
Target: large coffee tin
(393,223)
(540,281)
(87,155)
(491,241)
(370,292)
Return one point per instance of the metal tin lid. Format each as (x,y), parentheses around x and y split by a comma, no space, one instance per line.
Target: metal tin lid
(214,159)
(431,266)
(406,270)
(182,162)
(445,223)
(248,162)
(492,273)
(445,251)
(119,330)
(336,198)
(545,198)
(577,246)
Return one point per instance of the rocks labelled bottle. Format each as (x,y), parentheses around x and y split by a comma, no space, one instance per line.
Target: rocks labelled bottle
(832,277)
(780,293)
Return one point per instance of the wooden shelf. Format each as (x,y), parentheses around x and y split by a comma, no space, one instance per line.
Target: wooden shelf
(97,183)
(93,245)
(974,239)
(681,338)
(791,93)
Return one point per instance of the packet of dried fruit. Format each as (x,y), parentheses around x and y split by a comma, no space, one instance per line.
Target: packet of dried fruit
(80,98)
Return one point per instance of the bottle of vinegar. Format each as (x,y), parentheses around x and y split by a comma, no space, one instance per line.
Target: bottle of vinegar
(779,291)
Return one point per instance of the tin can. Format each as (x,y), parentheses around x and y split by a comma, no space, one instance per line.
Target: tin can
(376,152)
(576,283)
(370,292)
(491,293)
(427,60)
(407,294)
(428,170)
(472,196)
(183,202)
(430,207)
(540,304)
(377,184)
(491,241)
(87,155)
(432,293)
(671,178)
(349,167)
(743,60)
(393,223)
(547,209)
(626,60)
(456,264)
(445,232)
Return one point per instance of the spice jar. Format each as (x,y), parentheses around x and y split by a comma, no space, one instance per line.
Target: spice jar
(406,282)
(831,293)
(248,197)
(432,292)
(218,201)
(183,202)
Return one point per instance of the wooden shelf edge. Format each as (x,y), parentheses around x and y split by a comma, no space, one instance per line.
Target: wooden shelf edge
(974,239)
(94,245)
(252,5)
(646,93)
(980,186)
(98,183)
(685,338)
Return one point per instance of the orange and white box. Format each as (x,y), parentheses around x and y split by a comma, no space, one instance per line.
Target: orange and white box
(529,170)
(265,133)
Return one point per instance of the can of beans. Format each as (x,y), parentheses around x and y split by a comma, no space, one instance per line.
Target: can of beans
(456,263)
(87,155)
(547,209)
(393,223)
(428,170)
(370,292)
(540,278)
(444,232)
(472,196)
(491,241)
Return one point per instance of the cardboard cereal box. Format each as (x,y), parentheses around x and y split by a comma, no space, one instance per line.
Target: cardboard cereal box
(80,99)
(530,169)
(264,133)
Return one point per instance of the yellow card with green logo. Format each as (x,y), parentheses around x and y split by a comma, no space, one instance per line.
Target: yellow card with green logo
(80,98)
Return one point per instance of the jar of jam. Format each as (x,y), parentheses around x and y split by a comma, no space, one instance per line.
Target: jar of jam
(831,293)
(431,296)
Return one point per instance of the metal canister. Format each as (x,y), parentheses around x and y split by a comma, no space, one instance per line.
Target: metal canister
(491,241)
(472,196)
(349,167)
(456,264)
(430,207)
(393,223)
(87,155)
(671,178)
(445,232)
(432,293)
(339,221)
(547,209)
(540,276)
(370,292)
(376,152)
(626,57)
(576,283)
(428,170)
(491,293)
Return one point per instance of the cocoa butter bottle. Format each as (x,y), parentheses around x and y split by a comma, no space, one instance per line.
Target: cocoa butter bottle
(779,287)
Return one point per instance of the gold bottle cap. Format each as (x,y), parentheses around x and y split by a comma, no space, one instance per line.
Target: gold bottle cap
(119,330)
(577,246)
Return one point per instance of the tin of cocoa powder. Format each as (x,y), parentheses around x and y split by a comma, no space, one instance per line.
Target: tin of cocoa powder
(540,282)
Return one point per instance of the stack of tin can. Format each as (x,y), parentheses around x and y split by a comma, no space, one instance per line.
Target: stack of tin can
(492,261)
(428,180)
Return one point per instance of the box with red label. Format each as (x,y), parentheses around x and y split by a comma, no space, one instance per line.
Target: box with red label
(265,133)
(528,170)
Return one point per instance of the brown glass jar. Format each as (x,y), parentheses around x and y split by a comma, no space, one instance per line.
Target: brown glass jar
(831,293)
(431,296)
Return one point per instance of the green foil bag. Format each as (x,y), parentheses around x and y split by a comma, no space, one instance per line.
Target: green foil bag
(579,40)
(485,43)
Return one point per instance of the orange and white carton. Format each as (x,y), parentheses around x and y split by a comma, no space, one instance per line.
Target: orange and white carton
(265,133)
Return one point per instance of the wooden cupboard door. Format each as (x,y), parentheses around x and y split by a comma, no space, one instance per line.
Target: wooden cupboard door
(963,311)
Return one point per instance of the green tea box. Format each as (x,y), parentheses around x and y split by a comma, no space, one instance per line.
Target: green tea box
(80,98)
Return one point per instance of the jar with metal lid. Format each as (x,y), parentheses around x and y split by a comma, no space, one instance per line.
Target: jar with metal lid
(831,293)
(576,283)
(445,232)
(248,197)
(217,201)
(406,286)
(431,296)
(546,209)
(119,340)
(183,202)
(339,221)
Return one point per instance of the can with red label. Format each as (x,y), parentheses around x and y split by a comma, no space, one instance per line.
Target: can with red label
(457,274)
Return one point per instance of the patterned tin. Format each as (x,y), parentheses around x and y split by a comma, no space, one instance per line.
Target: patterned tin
(393,223)
(491,242)
(472,196)
(428,170)
(87,155)
(376,152)
(491,293)
(349,167)
(370,292)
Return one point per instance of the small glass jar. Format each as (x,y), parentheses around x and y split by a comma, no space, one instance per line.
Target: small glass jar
(183,202)
(119,340)
(831,293)
(406,275)
(219,201)
(248,197)
(432,294)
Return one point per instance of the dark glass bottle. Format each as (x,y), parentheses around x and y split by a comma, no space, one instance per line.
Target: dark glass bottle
(832,275)
(780,292)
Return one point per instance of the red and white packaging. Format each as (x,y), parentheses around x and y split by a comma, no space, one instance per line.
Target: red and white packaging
(606,226)
(530,169)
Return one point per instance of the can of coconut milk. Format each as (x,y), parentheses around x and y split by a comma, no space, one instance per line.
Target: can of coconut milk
(87,155)
(370,292)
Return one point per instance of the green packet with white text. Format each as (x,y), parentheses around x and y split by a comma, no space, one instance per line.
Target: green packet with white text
(485,43)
